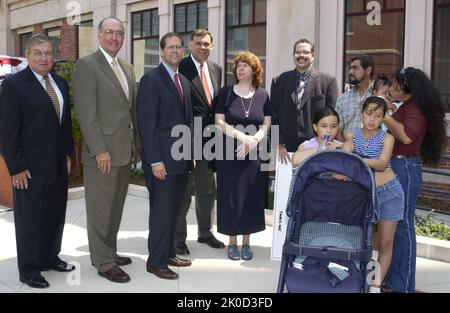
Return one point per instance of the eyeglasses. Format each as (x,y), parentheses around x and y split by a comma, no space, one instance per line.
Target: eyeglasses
(40,54)
(174,47)
(403,72)
(110,33)
(304,52)
(201,44)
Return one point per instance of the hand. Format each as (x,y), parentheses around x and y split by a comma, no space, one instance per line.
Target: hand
(248,144)
(159,171)
(104,162)
(332,145)
(69,164)
(391,107)
(20,181)
(284,155)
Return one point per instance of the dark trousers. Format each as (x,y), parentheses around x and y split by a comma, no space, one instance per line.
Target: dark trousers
(202,181)
(165,201)
(39,217)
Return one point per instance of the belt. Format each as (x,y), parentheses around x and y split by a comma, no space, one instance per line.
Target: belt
(405,156)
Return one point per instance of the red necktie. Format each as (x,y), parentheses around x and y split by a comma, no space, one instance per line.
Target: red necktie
(178,87)
(205,84)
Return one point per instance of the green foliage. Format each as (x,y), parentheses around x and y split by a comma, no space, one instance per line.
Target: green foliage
(65,70)
(427,227)
(270,195)
(137,173)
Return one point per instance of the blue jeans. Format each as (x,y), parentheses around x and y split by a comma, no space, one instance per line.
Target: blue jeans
(402,272)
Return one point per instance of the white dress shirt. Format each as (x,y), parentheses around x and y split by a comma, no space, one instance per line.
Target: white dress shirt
(41,80)
(110,59)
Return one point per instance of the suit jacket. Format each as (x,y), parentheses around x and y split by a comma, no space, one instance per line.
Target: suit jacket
(32,136)
(200,105)
(105,114)
(321,90)
(159,109)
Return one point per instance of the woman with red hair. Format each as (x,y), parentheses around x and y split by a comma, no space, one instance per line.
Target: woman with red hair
(243,115)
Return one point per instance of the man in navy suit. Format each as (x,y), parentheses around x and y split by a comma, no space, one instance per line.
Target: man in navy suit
(164,102)
(36,137)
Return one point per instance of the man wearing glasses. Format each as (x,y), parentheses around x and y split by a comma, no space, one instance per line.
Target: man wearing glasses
(296,95)
(205,78)
(164,103)
(104,92)
(349,104)
(36,139)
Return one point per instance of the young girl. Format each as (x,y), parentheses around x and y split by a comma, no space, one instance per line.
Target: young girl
(325,124)
(375,146)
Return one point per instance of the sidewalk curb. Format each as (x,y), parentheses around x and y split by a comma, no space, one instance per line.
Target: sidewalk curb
(429,248)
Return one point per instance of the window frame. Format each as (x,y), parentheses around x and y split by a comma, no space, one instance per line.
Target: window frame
(433,50)
(47,30)
(22,52)
(239,25)
(78,34)
(362,13)
(185,5)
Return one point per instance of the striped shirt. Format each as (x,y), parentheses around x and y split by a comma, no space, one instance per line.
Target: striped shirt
(349,106)
(369,147)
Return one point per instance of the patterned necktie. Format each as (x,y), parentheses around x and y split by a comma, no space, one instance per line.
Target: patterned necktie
(205,84)
(300,92)
(303,77)
(52,94)
(119,76)
(178,87)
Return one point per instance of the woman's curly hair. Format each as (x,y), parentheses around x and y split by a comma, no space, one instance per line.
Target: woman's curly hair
(255,64)
(414,82)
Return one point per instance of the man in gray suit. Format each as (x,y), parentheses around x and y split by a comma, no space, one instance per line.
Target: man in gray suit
(297,95)
(104,92)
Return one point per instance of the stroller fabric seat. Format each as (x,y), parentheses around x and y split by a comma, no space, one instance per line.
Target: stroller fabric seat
(330,235)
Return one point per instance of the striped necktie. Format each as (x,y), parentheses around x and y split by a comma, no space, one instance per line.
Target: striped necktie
(51,92)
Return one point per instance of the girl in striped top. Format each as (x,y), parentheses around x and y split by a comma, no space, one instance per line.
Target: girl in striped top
(375,146)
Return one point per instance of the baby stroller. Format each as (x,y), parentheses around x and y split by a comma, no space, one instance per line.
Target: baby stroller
(329,234)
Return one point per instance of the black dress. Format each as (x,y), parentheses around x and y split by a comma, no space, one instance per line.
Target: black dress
(240,182)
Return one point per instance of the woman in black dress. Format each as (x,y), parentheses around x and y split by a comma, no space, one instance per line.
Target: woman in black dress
(243,116)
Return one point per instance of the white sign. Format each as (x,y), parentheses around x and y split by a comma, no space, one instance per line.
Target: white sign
(282,184)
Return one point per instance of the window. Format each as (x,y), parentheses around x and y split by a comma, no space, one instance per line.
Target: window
(188,17)
(381,36)
(23,42)
(441,58)
(246,22)
(85,38)
(145,32)
(55,36)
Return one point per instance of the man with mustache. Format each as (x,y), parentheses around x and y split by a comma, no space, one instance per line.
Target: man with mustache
(349,104)
(297,95)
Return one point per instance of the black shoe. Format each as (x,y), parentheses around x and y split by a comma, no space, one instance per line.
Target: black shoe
(182,249)
(60,266)
(212,242)
(123,260)
(36,282)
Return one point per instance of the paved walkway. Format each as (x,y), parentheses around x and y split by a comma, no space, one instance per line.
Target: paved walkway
(211,272)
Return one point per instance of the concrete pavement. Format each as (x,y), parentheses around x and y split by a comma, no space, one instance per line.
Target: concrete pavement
(211,272)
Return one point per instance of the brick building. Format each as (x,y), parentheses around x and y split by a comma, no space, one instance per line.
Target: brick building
(396,32)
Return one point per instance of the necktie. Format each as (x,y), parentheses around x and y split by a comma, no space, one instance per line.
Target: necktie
(119,76)
(178,87)
(205,84)
(51,92)
(300,91)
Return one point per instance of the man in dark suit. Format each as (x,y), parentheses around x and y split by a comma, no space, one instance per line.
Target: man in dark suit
(296,95)
(205,78)
(164,103)
(36,137)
